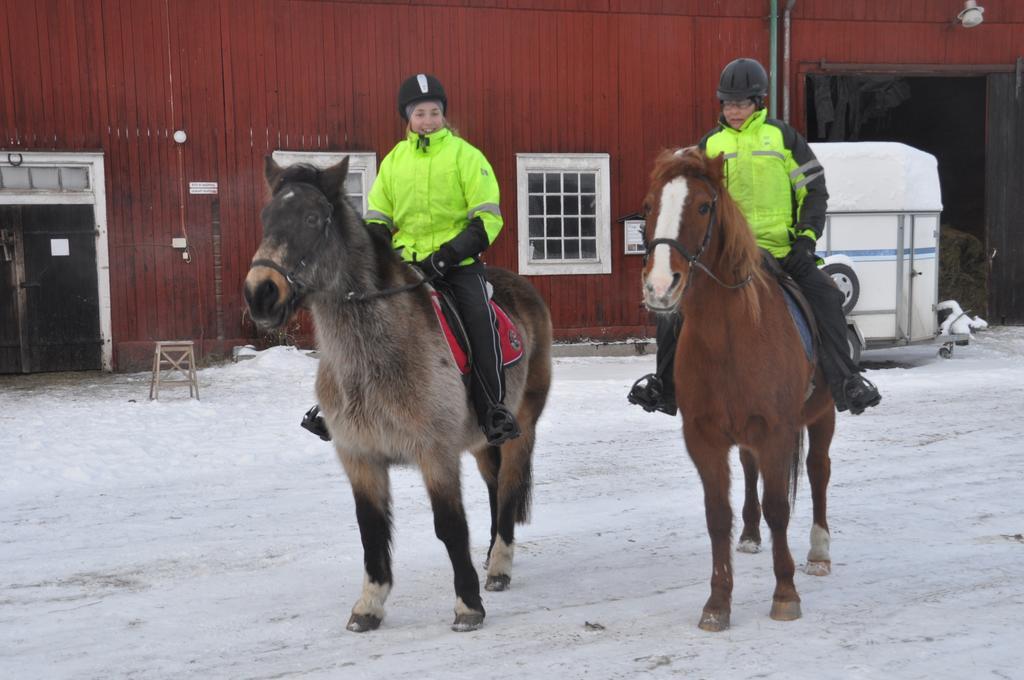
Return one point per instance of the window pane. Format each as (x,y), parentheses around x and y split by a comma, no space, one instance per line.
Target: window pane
(572,226)
(553,182)
(535,182)
(554,205)
(537,246)
(354,183)
(572,182)
(45,178)
(536,205)
(15,178)
(572,250)
(554,227)
(588,226)
(74,179)
(587,182)
(571,205)
(589,246)
(536,227)
(588,205)
(554,250)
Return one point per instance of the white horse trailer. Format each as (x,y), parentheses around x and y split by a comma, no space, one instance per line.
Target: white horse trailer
(881,242)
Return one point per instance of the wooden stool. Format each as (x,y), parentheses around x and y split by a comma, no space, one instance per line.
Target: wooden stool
(174,357)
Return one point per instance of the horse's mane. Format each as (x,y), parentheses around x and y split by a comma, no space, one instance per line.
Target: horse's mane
(299,173)
(739,256)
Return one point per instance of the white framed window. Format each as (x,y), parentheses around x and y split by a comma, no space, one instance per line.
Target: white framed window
(564,209)
(362,169)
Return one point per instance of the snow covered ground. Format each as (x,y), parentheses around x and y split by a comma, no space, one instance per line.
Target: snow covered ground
(216,539)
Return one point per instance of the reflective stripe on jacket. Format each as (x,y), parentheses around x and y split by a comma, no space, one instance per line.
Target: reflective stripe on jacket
(775,178)
(427,193)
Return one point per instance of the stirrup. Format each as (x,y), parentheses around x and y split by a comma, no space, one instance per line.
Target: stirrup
(314,422)
(500,425)
(860,394)
(647,395)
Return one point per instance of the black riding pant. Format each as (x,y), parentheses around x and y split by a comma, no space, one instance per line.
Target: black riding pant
(827,304)
(470,292)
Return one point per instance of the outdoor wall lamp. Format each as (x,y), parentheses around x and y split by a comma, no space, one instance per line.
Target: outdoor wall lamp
(971,15)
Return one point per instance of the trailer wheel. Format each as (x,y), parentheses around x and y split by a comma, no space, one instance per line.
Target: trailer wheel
(946,351)
(846,281)
(853,344)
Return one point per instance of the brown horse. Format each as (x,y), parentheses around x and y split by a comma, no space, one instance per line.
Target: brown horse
(742,377)
(387,383)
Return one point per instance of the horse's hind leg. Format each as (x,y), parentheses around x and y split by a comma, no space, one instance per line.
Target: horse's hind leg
(450,526)
(750,537)
(819,470)
(370,488)
(776,456)
(509,475)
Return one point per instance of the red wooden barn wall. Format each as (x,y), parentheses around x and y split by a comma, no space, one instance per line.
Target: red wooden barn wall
(246,77)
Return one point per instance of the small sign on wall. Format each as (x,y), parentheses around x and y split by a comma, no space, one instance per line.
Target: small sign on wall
(202,187)
(635,237)
(60,247)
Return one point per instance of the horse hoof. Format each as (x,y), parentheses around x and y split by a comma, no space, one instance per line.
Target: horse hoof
(714,622)
(785,611)
(361,623)
(497,583)
(748,546)
(818,567)
(467,622)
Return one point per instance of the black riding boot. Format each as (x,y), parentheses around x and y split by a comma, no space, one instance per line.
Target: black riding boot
(657,391)
(850,390)
(469,289)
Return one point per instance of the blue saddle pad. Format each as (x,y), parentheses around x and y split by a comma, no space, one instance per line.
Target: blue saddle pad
(801,324)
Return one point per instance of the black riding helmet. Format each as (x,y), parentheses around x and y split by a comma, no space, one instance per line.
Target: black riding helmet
(743,79)
(418,88)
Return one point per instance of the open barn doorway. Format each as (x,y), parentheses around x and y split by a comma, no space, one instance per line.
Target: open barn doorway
(944,116)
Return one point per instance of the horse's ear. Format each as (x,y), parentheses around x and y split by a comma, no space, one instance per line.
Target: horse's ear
(271,172)
(332,180)
(716,168)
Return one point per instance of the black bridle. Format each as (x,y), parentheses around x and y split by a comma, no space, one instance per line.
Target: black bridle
(299,288)
(694,258)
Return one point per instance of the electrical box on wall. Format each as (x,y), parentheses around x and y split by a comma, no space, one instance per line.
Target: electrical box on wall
(178,243)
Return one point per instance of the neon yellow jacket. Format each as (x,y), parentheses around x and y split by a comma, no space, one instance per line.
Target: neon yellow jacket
(427,192)
(773,175)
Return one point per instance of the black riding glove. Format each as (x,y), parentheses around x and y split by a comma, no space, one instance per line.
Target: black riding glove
(801,260)
(435,266)
(380,230)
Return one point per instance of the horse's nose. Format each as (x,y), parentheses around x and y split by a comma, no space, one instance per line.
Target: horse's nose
(262,299)
(660,289)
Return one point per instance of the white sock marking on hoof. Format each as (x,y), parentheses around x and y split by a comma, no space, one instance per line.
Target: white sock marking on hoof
(500,563)
(820,541)
(371,602)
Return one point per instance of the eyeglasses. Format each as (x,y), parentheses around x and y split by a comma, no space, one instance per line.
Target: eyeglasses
(738,105)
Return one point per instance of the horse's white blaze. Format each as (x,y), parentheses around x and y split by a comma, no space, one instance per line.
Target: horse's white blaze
(501,558)
(371,602)
(670,212)
(820,541)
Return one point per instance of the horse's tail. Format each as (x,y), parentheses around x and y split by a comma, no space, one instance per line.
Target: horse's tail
(797,464)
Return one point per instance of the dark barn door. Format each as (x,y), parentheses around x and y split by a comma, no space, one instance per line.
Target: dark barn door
(55,287)
(10,275)
(1004,197)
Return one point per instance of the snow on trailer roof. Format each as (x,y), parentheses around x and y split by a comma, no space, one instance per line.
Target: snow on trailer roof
(879,176)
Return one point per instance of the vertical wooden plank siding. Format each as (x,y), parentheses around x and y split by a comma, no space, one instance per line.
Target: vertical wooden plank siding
(246,77)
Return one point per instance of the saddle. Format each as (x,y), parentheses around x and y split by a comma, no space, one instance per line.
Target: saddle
(799,308)
(454,332)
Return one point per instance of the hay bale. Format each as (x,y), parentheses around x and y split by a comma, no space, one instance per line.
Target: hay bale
(963,270)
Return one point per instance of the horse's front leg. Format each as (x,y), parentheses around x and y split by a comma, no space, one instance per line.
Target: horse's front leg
(777,453)
(750,537)
(371,490)
(711,456)
(443,485)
